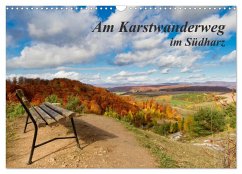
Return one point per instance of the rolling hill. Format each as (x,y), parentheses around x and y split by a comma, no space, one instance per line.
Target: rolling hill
(94,99)
(211,86)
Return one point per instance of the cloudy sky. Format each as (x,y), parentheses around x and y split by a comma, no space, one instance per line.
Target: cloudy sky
(51,43)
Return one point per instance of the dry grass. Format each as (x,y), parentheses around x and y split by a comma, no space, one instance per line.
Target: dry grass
(175,154)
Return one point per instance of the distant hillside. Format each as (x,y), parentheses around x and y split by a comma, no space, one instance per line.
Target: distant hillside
(231,85)
(144,88)
(37,90)
(213,86)
(199,88)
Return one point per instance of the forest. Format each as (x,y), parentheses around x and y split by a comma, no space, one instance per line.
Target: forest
(93,99)
(85,98)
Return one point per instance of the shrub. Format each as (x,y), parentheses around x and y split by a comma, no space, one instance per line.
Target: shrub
(162,129)
(230,111)
(14,110)
(139,119)
(208,121)
(111,113)
(188,124)
(74,104)
(174,128)
(181,125)
(53,99)
(129,117)
(152,123)
(95,108)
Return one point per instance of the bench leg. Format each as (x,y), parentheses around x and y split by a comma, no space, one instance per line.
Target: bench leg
(26,123)
(74,130)
(33,144)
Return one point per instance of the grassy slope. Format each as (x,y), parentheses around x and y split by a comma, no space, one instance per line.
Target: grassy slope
(173,154)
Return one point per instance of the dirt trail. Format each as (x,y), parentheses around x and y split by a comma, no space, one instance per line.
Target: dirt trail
(106,144)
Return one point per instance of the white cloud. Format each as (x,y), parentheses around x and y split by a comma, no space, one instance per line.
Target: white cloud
(174,79)
(49,55)
(229,57)
(159,52)
(61,27)
(125,77)
(194,76)
(228,20)
(86,78)
(64,37)
(148,41)
(165,70)
(162,56)
(123,74)
(66,68)
(185,69)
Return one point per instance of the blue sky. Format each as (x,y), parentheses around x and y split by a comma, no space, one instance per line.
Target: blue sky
(51,43)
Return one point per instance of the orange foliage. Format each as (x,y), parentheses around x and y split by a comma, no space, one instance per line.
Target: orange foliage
(162,111)
(94,98)
(95,108)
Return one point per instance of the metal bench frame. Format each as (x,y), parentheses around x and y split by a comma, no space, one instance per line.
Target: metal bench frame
(34,145)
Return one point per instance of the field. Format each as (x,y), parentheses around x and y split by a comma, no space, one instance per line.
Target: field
(187,102)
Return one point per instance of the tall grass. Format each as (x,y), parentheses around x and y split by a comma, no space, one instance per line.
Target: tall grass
(14,110)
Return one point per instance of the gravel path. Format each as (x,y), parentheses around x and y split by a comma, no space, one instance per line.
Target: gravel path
(106,144)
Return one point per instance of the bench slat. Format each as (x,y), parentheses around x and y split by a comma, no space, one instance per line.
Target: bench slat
(60,110)
(52,113)
(49,120)
(39,121)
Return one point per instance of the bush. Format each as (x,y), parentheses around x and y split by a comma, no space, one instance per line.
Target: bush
(74,104)
(208,121)
(95,108)
(174,128)
(129,117)
(181,126)
(53,99)
(188,124)
(162,129)
(139,119)
(14,110)
(230,111)
(111,113)
(152,123)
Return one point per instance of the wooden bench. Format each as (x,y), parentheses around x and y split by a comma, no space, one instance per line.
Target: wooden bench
(43,115)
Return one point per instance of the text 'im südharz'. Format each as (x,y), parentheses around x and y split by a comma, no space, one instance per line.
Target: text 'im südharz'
(126,26)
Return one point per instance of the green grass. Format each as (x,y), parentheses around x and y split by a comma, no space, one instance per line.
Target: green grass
(180,103)
(193,97)
(14,110)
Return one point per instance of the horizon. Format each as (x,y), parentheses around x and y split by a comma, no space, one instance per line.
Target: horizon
(130,85)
